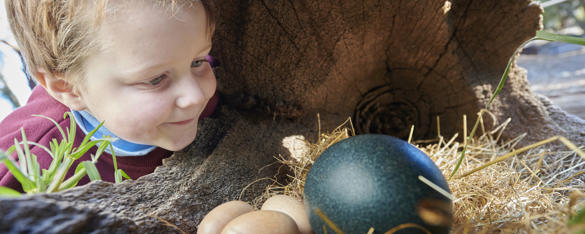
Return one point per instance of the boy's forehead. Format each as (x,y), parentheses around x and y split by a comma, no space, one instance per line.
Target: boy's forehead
(126,8)
(136,23)
(143,38)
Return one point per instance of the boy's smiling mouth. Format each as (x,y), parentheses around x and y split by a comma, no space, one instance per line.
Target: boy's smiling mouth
(184,122)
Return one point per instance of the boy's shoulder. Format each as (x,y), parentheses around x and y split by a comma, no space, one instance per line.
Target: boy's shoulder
(37,129)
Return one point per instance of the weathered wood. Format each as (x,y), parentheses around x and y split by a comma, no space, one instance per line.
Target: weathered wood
(390,63)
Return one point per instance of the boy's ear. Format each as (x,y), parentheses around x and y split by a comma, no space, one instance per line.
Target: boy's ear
(60,89)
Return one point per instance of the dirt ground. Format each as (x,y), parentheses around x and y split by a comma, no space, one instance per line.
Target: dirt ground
(558,72)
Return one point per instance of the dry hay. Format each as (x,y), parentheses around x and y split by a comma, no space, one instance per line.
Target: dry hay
(535,191)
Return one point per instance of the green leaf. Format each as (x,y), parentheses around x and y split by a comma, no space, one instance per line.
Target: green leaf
(83,168)
(53,145)
(65,145)
(36,173)
(505,75)
(8,192)
(46,179)
(118,176)
(73,180)
(72,127)
(42,147)
(54,122)
(60,174)
(90,134)
(57,160)
(92,171)
(27,184)
(124,174)
(117,173)
(471,134)
(21,157)
(542,35)
(104,144)
(83,149)
(80,172)
(30,161)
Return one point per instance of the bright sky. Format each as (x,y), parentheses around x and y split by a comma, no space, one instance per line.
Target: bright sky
(10,67)
(5,33)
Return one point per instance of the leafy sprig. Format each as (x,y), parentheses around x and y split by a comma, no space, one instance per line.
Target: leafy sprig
(34,180)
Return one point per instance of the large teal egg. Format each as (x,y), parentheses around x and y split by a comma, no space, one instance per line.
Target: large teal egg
(373,180)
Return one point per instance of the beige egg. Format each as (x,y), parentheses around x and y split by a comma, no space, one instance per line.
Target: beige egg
(293,208)
(221,215)
(262,221)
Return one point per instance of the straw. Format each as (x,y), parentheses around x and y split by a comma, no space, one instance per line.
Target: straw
(505,189)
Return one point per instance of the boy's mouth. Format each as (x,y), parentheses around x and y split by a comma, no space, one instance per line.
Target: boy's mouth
(184,122)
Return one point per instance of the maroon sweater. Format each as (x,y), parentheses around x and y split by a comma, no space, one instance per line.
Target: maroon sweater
(42,131)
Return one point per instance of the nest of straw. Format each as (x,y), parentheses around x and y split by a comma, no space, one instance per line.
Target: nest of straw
(539,190)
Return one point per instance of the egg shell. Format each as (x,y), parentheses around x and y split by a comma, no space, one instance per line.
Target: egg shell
(262,221)
(221,215)
(292,207)
(372,180)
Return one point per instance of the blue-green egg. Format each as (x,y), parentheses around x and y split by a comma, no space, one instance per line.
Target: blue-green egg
(373,181)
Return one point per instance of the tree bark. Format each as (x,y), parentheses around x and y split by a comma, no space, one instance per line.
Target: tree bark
(387,64)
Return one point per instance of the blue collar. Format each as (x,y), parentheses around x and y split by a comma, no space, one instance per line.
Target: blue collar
(88,123)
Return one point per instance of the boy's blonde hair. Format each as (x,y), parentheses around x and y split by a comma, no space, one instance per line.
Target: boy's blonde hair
(57,35)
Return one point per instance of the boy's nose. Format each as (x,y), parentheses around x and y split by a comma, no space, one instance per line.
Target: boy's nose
(190,93)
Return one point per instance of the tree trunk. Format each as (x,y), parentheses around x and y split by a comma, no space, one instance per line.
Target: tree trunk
(387,64)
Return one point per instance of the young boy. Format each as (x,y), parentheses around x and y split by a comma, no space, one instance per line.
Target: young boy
(139,66)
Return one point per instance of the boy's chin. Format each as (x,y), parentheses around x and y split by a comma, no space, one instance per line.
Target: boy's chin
(175,147)
(179,145)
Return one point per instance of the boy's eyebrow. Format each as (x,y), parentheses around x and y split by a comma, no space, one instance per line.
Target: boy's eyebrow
(208,47)
(144,69)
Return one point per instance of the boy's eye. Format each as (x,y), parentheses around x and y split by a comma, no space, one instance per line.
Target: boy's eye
(198,63)
(156,81)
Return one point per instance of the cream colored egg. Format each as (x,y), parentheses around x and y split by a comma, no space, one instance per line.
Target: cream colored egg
(293,208)
(221,215)
(262,221)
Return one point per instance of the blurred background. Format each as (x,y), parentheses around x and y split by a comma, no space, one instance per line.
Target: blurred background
(556,70)
(14,88)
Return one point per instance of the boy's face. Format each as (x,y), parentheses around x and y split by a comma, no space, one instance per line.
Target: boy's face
(149,80)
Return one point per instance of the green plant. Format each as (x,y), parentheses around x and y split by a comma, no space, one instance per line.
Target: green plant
(36,180)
